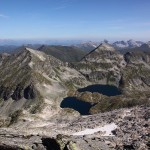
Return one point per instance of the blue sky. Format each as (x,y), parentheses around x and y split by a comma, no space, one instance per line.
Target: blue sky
(75,19)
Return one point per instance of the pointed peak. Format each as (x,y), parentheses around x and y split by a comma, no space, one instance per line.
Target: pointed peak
(105,46)
(36,53)
(29,49)
(42,47)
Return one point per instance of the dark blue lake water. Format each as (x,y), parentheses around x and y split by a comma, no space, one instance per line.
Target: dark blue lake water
(80,106)
(84,107)
(108,90)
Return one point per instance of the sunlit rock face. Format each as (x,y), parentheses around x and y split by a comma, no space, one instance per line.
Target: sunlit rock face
(33,81)
(136,75)
(103,65)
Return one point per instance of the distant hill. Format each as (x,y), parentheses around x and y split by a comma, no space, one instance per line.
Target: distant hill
(7,48)
(14,48)
(64,53)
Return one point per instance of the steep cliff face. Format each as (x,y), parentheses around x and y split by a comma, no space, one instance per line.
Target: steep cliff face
(136,75)
(32,81)
(103,65)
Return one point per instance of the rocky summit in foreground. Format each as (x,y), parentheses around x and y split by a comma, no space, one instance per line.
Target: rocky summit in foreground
(101,102)
(120,129)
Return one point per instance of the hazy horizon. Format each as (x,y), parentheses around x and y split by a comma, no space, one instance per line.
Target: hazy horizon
(63,42)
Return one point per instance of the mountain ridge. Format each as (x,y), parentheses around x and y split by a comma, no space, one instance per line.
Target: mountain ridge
(29,73)
(127,44)
(39,96)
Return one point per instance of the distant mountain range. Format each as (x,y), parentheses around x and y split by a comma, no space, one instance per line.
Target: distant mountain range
(7,48)
(127,44)
(122,46)
(76,52)
(119,45)
(143,48)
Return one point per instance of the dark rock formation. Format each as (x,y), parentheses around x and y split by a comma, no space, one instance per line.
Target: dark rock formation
(29,92)
(50,144)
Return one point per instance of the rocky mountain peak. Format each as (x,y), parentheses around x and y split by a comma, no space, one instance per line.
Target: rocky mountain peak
(103,51)
(31,78)
(105,46)
(40,55)
(127,44)
(35,59)
(145,45)
(148,43)
(102,65)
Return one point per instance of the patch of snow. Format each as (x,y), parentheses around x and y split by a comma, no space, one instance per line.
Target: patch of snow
(107,129)
(121,45)
(148,43)
(127,44)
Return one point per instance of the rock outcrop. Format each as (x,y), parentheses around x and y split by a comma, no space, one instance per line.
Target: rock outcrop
(103,65)
(131,132)
(32,81)
(136,74)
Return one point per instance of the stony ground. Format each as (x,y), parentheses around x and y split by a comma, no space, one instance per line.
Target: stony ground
(93,132)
